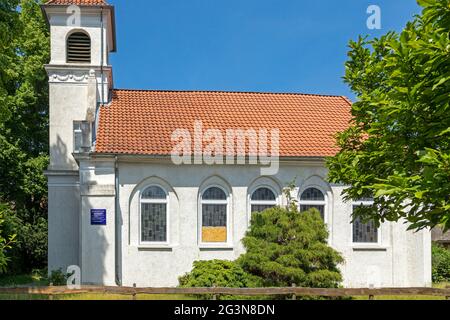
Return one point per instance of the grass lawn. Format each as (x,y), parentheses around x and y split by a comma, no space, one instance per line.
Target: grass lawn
(422,298)
(438,285)
(32,280)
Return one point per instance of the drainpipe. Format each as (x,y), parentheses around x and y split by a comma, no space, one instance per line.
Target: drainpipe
(102,58)
(117,238)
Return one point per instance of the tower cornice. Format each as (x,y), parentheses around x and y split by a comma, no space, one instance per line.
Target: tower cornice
(78,73)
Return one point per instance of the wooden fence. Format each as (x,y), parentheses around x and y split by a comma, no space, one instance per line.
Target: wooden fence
(215,292)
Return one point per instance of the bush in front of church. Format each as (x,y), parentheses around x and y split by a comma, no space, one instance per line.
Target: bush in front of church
(218,273)
(285,247)
(441,264)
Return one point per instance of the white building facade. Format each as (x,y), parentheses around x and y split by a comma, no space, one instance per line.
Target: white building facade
(126,214)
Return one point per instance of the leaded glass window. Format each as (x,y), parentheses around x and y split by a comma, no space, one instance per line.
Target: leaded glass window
(214,204)
(364,232)
(154,193)
(214,194)
(154,215)
(312,194)
(263,199)
(313,198)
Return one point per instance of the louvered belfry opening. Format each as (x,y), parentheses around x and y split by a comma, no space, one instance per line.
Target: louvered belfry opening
(79,48)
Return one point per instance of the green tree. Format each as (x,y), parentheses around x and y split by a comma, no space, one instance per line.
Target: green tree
(8,28)
(216,273)
(6,238)
(398,146)
(24,49)
(441,264)
(286,247)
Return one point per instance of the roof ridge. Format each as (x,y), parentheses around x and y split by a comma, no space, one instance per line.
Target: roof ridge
(241,92)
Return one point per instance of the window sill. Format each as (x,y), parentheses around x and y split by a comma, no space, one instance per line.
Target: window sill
(215,247)
(369,247)
(155,247)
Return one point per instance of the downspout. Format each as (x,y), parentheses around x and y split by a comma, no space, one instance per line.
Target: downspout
(102,58)
(117,220)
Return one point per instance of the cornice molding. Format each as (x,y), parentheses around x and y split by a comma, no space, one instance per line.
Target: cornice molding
(68,77)
(75,73)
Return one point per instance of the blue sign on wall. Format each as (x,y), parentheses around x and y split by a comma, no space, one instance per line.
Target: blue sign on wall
(98,217)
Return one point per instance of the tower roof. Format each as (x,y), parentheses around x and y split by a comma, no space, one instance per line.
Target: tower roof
(78,2)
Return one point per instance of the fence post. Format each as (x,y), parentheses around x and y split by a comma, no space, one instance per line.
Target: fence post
(371,296)
(134,291)
(447,297)
(50,296)
(294,296)
(214,297)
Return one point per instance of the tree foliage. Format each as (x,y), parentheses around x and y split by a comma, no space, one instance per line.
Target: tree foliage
(285,247)
(24,50)
(217,273)
(6,237)
(398,146)
(441,264)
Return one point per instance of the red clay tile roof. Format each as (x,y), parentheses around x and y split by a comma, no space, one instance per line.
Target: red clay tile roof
(78,2)
(142,122)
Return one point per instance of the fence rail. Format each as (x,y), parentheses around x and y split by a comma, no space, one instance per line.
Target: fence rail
(293,291)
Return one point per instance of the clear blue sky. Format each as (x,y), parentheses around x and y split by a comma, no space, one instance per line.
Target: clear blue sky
(243,45)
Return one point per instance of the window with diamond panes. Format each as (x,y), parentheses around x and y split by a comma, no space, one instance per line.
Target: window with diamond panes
(364,232)
(313,198)
(154,215)
(214,216)
(263,199)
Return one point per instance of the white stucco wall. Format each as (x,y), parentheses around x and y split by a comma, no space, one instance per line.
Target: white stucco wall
(401,259)
(97,252)
(63,217)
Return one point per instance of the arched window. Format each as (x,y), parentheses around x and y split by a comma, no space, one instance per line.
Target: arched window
(263,199)
(79,48)
(365,232)
(154,217)
(313,198)
(214,216)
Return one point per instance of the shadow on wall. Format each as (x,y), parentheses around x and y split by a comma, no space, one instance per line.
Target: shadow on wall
(63,209)
(60,157)
(73,240)
(97,238)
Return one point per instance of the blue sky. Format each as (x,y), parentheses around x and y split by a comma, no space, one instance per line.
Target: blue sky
(243,45)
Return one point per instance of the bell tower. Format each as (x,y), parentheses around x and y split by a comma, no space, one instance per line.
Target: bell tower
(82,35)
